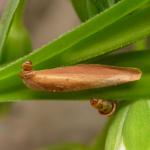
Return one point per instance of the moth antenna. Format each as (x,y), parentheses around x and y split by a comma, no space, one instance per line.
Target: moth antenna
(27,66)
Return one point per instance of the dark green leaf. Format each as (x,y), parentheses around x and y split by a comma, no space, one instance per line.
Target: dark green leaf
(89,8)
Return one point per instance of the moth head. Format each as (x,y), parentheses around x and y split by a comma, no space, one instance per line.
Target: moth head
(26,70)
(27,66)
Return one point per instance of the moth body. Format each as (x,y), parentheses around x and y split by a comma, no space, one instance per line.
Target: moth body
(78,77)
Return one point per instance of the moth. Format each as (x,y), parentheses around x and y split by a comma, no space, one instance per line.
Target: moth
(104,107)
(78,77)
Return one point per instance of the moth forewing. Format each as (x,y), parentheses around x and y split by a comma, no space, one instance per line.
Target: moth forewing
(78,77)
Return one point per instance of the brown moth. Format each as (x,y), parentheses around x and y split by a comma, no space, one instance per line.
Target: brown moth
(104,107)
(78,77)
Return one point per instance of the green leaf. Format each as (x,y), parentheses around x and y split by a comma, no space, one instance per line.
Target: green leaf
(136,130)
(81,9)
(91,39)
(110,38)
(89,8)
(18,42)
(114,136)
(130,128)
(131,91)
(6,22)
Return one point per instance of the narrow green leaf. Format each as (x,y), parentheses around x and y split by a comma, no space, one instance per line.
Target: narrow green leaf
(128,92)
(98,45)
(110,38)
(6,22)
(115,36)
(132,91)
(130,128)
(92,26)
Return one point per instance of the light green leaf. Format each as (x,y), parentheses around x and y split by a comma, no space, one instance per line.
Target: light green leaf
(130,128)
(5,22)
(18,42)
(136,130)
(114,136)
